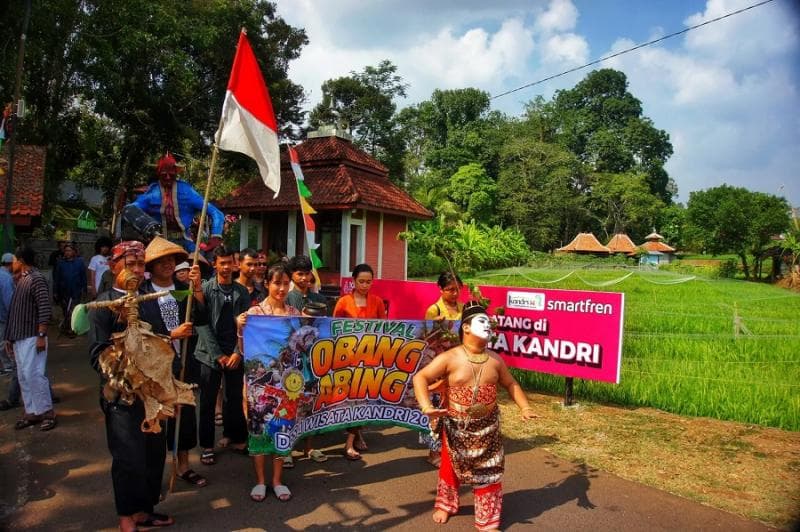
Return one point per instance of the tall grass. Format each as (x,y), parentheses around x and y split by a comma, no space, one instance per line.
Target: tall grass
(680,350)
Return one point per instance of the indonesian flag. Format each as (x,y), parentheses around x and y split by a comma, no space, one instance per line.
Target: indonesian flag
(248,122)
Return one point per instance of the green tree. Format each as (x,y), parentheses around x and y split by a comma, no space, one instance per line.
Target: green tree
(623,204)
(729,219)
(153,71)
(474,192)
(539,191)
(364,103)
(601,122)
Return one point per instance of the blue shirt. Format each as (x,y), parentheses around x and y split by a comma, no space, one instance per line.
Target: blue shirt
(6,291)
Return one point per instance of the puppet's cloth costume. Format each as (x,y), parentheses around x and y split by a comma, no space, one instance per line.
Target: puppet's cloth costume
(175,208)
(472,453)
(138,364)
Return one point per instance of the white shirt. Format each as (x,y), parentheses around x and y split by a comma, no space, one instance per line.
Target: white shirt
(98,264)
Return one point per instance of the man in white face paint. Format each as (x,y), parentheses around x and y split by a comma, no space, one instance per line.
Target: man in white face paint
(472,447)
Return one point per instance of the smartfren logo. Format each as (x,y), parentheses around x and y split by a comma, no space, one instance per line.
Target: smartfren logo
(525,300)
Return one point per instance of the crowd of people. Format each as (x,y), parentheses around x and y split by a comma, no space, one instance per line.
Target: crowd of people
(237,285)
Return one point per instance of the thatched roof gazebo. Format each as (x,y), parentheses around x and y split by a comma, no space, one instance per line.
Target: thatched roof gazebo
(622,243)
(654,242)
(585,243)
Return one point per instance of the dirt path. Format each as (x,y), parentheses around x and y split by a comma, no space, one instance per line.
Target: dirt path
(61,480)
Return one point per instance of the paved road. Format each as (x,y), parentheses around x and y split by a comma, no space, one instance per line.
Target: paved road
(61,480)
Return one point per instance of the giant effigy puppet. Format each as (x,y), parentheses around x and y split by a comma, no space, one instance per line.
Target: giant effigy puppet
(168,207)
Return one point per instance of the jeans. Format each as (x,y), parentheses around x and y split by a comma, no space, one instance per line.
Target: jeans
(235,426)
(33,383)
(137,458)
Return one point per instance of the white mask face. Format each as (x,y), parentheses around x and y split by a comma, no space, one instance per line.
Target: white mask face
(481,327)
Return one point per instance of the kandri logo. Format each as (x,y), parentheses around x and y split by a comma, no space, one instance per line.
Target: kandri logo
(525,300)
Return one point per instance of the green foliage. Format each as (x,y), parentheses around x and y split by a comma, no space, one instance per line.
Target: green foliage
(435,246)
(602,124)
(623,204)
(474,192)
(736,220)
(151,74)
(363,103)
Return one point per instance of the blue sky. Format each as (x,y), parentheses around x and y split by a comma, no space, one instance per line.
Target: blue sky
(728,93)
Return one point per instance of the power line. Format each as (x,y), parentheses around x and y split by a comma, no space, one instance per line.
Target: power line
(607,57)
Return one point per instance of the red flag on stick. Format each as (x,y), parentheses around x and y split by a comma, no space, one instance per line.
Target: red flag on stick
(248,123)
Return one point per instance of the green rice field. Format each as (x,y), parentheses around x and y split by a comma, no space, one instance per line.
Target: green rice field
(702,347)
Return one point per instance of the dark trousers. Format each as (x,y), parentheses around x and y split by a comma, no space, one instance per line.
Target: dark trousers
(187,437)
(137,458)
(235,426)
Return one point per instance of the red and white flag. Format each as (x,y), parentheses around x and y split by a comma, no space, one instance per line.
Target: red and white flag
(248,122)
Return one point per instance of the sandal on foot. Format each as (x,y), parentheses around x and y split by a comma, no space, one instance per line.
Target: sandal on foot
(26,422)
(48,424)
(318,456)
(360,445)
(224,442)
(352,454)
(218,419)
(208,457)
(288,462)
(282,492)
(194,478)
(258,493)
(155,520)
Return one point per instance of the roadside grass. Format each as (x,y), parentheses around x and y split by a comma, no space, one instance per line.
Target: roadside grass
(746,469)
(719,348)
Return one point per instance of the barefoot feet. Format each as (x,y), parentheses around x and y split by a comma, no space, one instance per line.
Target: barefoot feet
(440,516)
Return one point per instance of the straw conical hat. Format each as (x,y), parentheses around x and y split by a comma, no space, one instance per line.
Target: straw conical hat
(161,247)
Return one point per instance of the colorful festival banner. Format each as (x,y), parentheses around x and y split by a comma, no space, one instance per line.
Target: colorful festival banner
(574,333)
(310,375)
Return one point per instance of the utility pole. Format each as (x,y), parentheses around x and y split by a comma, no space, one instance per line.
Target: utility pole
(12,143)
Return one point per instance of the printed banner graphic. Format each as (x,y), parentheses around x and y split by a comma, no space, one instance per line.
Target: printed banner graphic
(310,375)
(574,333)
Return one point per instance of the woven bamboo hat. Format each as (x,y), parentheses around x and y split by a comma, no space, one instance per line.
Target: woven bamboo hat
(161,247)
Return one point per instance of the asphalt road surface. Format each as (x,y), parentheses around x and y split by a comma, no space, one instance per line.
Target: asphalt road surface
(60,480)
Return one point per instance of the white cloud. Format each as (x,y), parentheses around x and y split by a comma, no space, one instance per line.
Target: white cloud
(561,15)
(566,49)
(728,99)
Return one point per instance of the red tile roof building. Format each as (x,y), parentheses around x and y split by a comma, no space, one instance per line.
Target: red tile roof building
(360,212)
(621,243)
(27,184)
(654,243)
(585,243)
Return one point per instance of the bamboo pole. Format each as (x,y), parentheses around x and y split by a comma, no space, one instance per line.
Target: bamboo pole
(185,342)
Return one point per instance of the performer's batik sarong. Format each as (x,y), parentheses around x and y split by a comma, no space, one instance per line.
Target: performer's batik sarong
(472,454)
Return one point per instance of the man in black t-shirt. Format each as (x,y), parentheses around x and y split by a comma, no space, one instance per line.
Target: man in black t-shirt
(221,300)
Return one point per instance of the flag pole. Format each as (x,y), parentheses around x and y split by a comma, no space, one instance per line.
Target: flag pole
(185,342)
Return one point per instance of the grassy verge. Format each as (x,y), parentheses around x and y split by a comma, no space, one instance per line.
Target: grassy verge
(745,469)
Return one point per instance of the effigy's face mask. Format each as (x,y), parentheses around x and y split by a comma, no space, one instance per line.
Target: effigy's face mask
(481,327)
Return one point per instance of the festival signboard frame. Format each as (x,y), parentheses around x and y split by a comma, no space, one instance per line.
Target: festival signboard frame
(306,376)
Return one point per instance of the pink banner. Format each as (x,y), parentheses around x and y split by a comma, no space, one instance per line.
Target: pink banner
(574,333)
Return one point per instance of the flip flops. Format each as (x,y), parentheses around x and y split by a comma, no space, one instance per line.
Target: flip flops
(194,478)
(155,520)
(318,456)
(27,422)
(282,492)
(258,493)
(208,457)
(48,424)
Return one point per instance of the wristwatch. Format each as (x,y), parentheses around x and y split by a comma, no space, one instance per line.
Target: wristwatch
(42,335)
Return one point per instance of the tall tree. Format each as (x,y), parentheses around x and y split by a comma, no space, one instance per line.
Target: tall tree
(729,219)
(364,103)
(601,122)
(153,71)
(539,190)
(623,204)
